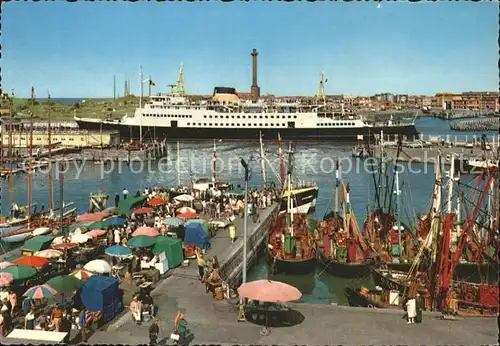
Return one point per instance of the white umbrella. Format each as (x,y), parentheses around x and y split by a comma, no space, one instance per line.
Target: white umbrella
(40,231)
(98,266)
(80,238)
(58,240)
(184,198)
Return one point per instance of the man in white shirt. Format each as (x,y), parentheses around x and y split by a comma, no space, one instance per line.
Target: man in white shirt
(125,193)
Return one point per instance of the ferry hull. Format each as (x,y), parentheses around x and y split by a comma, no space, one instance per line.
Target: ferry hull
(128,132)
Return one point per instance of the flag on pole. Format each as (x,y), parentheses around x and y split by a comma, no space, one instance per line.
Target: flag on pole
(151,82)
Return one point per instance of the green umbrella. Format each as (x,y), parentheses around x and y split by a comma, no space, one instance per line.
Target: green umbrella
(64,283)
(141,241)
(20,272)
(98,225)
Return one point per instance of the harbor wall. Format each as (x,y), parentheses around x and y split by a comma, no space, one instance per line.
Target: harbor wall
(231,270)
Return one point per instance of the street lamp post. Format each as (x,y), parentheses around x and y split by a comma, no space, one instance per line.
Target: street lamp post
(245,222)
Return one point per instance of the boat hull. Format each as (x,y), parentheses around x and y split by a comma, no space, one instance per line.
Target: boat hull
(16,238)
(128,132)
(292,267)
(388,283)
(355,298)
(344,270)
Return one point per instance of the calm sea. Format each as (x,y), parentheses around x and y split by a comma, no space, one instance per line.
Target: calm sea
(312,162)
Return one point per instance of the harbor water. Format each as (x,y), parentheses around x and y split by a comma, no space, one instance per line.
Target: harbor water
(312,162)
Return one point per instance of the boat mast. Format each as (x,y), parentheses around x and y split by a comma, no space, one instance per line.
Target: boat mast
(398,211)
(282,164)
(262,163)
(140,105)
(51,196)
(451,177)
(100,130)
(61,198)
(178,164)
(214,178)
(290,199)
(30,158)
(347,209)
(337,180)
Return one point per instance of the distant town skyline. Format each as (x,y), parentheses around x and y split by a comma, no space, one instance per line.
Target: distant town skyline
(74,49)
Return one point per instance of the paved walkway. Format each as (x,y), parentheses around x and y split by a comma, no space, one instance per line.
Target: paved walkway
(215,322)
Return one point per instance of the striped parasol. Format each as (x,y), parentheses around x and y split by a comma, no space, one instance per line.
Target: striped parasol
(49,253)
(5,264)
(6,279)
(81,274)
(40,292)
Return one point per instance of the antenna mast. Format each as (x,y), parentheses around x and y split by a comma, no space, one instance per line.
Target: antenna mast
(179,87)
(320,94)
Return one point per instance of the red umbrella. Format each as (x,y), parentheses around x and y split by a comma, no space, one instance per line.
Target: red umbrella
(97,233)
(32,261)
(156,201)
(188,215)
(91,217)
(147,231)
(144,210)
(65,246)
(269,291)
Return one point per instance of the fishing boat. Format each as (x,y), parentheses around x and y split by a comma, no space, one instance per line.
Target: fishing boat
(290,245)
(392,239)
(342,249)
(389,279)
(17,236)
(304,195)
(366,298)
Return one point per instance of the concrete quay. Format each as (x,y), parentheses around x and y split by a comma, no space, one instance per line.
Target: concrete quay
(215,322)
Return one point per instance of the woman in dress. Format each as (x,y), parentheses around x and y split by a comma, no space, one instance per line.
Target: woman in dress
(29,320)
(411,308)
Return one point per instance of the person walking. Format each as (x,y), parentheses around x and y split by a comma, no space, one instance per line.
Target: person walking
(420,307)
(56,317)
(180,328)
(83,324)
(154,330)
(232,232)
(117,200)
(125,193)
(201,264)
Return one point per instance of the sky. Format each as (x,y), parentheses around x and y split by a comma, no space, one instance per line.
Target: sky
(74,49)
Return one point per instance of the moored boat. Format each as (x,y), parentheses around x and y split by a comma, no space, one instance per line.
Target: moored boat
(17,236)
(363,297)
(391,279)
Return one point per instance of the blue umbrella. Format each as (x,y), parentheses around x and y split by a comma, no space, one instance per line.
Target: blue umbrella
(115,221)
(118,251)
(173,221)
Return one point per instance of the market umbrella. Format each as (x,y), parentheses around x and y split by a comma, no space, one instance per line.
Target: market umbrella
(91,217)
(49,253)
(114,221)
(188,215)
(64,283)
(5,264)
(81,274)
(184,210)
(80,238)
(143,210)
(98,225)
(201,222)
(147,231)
(97,233)
(20,272)
(40,231)
(173,221)
(269,291)
(40,292)
(98,266)
(118,251)
(156,201)
(66,245)
(32,261)
(184,198)
(141,241)
(6,279)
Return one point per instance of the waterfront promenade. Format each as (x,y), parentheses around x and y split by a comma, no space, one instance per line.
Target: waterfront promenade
(215,322)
